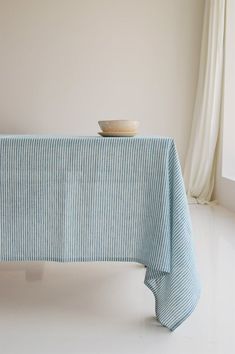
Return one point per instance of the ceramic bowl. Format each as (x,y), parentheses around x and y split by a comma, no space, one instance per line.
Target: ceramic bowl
(118,126)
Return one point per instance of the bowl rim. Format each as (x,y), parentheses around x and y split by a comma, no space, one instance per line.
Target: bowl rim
(118,120)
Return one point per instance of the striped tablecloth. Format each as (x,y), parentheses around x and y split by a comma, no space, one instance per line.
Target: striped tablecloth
(70,199)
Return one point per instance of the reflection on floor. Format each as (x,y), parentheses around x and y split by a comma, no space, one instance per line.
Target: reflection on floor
(104,308)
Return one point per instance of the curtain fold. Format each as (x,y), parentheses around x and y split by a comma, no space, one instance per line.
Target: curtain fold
(199,171)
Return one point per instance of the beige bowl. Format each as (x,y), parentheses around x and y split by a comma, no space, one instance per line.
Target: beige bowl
(119,126)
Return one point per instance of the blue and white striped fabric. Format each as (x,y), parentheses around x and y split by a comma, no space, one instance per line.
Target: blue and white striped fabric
(70,199)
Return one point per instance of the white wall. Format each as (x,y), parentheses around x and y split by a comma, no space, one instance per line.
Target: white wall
(224,191)
(65,64)
(225,187)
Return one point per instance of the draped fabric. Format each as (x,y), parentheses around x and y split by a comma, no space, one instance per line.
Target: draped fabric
(199,172)
(70,199)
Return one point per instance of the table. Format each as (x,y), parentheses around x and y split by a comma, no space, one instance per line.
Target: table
(73,199)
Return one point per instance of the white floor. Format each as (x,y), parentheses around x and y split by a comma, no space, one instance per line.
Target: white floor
(106,308)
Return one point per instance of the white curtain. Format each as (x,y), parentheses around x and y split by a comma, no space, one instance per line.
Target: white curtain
(200,161)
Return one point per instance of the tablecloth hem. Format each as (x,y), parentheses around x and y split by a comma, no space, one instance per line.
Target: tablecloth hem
(172,328)
(73,260)
(179,322)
